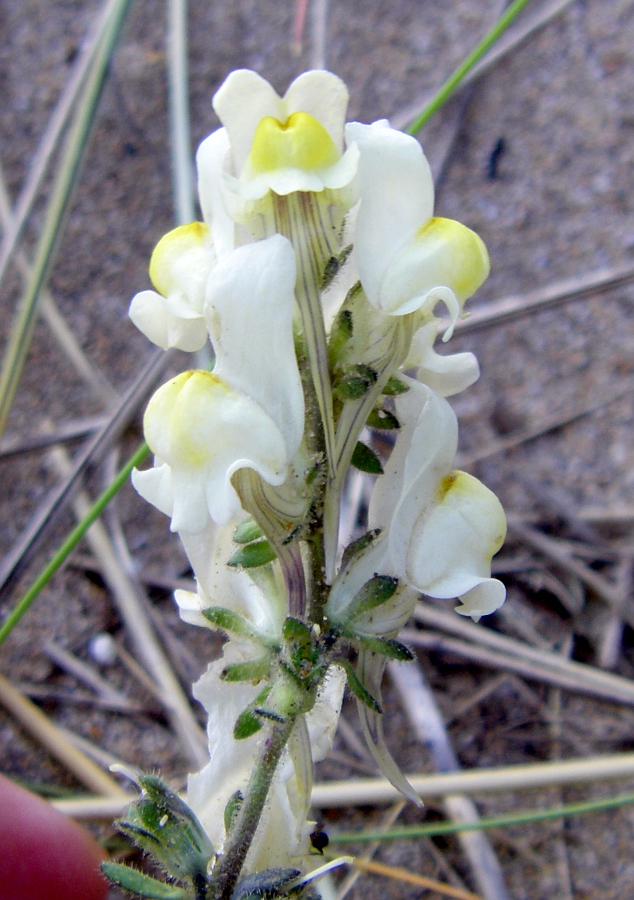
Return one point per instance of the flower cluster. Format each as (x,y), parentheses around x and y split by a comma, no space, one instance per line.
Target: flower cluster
(315,275)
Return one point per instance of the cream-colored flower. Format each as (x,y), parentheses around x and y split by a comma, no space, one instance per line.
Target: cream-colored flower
(172,315)
(282,837)
(290,143)
(204,426)
(408,259)
(443,526)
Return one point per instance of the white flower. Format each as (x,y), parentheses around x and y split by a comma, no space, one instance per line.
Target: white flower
(443,526)
(290,143)
(282,837)
(407,259)
(204,426)
(172,315)
(258,594)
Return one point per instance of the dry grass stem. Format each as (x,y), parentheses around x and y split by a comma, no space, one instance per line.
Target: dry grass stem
(56,742)
(53,133)
(86,673)
(134,615)
(352,877)
(552,423)
(400,874)
(67,431)
(427,723)
(508,309)
(612,593)
(47,514)
(580,676)
(55,321)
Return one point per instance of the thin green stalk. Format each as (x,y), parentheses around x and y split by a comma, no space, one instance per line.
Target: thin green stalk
(22,330)
(520,818)
(71,542)
(476,54)
(229,866)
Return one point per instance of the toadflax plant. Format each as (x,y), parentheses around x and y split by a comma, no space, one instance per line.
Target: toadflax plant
(315,273)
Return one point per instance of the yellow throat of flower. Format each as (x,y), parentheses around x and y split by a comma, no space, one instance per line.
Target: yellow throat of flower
(301,142)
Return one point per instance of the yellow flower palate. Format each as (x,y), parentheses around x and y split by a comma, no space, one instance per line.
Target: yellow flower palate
(299,143)
(461,254)
(179,418)
(184,242)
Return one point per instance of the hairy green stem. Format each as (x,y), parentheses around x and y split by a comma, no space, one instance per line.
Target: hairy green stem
(227,871)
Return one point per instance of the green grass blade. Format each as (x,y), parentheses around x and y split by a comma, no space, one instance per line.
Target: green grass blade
(468,63)
(24,323)
(521,818)
(71,542)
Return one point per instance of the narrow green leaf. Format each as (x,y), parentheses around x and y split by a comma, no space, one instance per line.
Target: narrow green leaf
(139,883)
(382,418)
(253,670)
(476,54)
(233,807)
(249,722)
(340,333)
(71,542)
(357,547)
(395,386)
(375,592)
(253,555)
(64,179)
(366,460)
(357,688)
(231,622)
(388,647)
(520,818)
(247,531)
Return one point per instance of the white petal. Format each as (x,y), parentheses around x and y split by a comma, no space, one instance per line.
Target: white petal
(397,196)
(250,307)
(230,761)
(423,455)
(262,604)
(324,96)
(210,163)
(151,316)
(240,103)
(323,718)
(451,546)
(155,486)
(190,608)
(483,599)
(204,430)
(446,375)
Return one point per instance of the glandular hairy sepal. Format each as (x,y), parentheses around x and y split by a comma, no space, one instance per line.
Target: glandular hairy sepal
(375,592)
(253,555)
(359,690)
(162,825)
(266,885)
(141,884)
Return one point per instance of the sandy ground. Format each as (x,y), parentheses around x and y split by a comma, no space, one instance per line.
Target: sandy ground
(553,202)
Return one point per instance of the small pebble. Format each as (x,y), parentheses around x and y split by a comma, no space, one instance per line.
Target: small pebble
(103,649)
